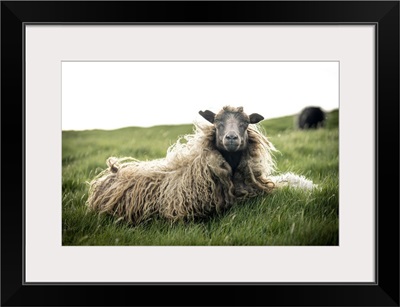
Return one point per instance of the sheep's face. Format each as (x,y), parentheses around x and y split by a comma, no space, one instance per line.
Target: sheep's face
(231,131)
(231,127)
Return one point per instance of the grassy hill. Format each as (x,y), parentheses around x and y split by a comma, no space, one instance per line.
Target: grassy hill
(287,217)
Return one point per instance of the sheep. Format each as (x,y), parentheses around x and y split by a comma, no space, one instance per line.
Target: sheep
(311,117)
(203,173)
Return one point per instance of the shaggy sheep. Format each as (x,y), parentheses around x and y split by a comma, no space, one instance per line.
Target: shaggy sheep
(204,172)
(311,117)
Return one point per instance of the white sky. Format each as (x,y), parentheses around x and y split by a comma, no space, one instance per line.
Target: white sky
(110,95)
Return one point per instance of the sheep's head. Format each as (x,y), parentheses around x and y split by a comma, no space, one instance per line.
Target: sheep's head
(231,127)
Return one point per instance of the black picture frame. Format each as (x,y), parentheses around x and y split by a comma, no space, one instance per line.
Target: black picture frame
(383,14)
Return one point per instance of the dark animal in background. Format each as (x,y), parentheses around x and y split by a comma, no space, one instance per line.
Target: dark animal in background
(311,118)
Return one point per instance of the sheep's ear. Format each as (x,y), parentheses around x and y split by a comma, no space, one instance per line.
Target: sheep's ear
(208,115)
(255,118)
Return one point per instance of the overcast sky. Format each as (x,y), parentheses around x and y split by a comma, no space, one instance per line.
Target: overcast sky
(110,95)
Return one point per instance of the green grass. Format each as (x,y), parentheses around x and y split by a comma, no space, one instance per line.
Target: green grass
(287,217)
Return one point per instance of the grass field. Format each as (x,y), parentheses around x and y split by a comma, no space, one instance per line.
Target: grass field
(287,217)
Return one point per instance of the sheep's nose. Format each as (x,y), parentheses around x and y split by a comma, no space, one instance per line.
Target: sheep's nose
(231,136)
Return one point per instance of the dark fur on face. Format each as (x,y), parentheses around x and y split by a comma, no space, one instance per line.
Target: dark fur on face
(231,131)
